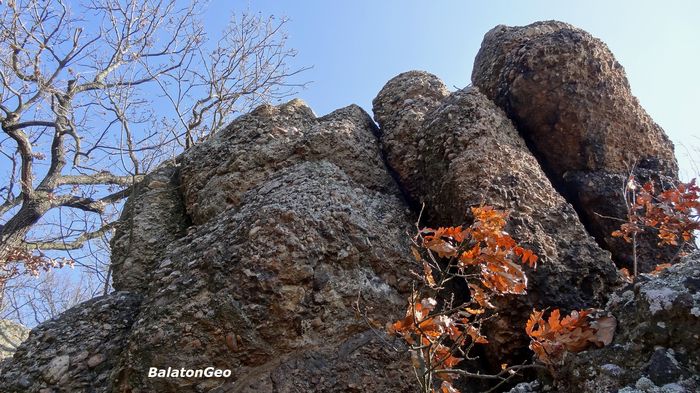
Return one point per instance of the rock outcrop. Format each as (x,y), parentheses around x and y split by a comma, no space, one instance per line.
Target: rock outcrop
(153,217)
(400,108)
(465,152)
(657,344)
(571,100)
(279,248)
(296,245)
(216,175)
(76,352)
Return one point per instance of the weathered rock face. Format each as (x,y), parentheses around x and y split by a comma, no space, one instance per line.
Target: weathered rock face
(400,108)
(657,344)
(154,217)
(215,176)
(276,282)
(466,152)
(297,224)
(279,248)
(571,100)
(11,335)
(76,352)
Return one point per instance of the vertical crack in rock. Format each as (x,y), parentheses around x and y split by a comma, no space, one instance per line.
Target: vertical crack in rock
(571,100)
(400,111)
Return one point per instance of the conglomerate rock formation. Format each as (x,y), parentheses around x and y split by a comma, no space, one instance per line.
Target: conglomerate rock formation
(467,153)
(657,345)
(279,248)
(570,99)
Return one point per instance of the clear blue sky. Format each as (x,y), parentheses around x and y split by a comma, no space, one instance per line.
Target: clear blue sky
(356,46)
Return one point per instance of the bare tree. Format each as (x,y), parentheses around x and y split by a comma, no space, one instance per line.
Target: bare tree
(32,300)
(92,97)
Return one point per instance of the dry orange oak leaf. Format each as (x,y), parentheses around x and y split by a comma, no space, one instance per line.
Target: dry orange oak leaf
(552,338)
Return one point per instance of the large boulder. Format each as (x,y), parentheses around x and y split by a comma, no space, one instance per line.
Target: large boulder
(466,152)
(571,100)
(400,108)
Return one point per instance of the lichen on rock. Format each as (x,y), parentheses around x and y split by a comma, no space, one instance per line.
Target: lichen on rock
(657,343)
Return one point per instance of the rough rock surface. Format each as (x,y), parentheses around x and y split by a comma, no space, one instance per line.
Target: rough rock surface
(400,111)
(153,217)
(76,352)
(468,153)
(657,343)
(297,224)
(295,217)
(274,282)
(571,100)
(11,335)
(278,246)
(216,175)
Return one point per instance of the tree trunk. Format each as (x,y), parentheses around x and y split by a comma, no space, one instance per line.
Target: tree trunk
(12,235)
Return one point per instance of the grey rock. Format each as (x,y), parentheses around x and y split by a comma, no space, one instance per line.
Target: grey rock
(527,387)
(399,109)
(54,357)
(216,174)
(152,218)
(96,360)
(279,247)
(663,367)
(56,368)
(657,342)
(267,282)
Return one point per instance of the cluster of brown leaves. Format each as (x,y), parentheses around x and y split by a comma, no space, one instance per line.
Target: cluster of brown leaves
(441,338)
(487,246)
(552,338)
(436,336)
(672,212)
(20,261)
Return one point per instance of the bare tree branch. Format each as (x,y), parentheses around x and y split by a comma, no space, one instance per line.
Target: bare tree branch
(82,118)
(103,177)
(76,244)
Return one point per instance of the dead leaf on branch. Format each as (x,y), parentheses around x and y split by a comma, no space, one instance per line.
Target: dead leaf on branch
(553,337)
(483,251)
